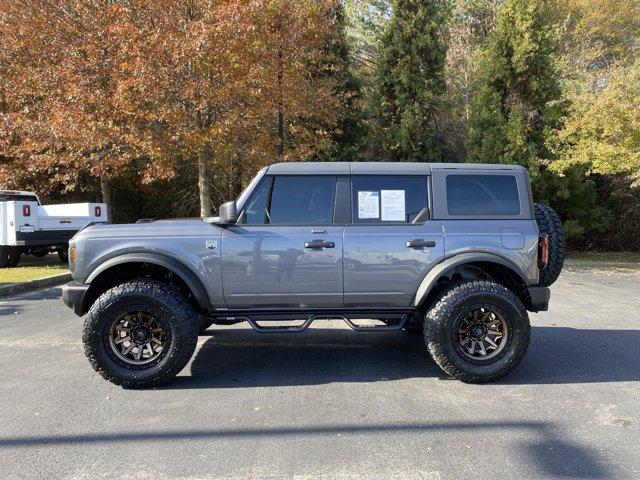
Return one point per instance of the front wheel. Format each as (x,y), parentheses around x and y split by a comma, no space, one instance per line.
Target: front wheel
(4,256)
(477,331)
(140,333)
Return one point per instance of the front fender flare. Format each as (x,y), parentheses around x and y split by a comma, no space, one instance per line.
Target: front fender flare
(180,269)
(429,281)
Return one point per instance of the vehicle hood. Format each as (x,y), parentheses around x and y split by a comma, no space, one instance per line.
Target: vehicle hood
(162,228)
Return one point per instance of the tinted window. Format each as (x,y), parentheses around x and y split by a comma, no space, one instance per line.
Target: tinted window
(380,199)
(482,195)
(255,211)
(303,200)
(9,197)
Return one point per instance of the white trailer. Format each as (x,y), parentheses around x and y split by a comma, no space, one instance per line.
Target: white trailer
(27,227)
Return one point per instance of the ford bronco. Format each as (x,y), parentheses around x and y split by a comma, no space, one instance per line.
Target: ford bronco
(458,252)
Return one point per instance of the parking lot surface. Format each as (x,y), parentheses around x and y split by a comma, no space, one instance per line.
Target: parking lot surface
(331,403)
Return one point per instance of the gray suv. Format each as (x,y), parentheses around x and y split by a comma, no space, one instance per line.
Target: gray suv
(458,252)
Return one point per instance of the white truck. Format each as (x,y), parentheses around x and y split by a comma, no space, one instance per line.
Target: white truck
(27,227)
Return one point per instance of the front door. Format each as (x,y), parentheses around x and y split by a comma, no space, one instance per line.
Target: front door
(285,251)
(391,243)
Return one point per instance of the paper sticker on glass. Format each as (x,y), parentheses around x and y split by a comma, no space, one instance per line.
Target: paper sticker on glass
(368,204)
(393,205)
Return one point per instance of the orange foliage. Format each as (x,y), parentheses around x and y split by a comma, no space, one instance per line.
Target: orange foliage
(88,87)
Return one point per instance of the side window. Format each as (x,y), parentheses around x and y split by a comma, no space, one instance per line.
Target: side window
(393,199)
(255,213)
(482,195)
(302,200)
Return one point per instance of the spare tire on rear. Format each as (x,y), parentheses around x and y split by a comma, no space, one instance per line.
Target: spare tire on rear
(549,224)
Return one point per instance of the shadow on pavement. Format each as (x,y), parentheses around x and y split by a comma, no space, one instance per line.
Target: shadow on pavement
(552,455)
(240,358)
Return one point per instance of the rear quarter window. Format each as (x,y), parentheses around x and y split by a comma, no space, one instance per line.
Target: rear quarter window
(482,195)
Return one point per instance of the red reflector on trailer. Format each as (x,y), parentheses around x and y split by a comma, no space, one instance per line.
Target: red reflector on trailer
(26,210)
(98,211)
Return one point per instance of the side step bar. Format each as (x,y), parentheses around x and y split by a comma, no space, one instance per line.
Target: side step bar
(312,318)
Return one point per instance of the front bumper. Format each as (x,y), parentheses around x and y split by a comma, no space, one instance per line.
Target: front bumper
(539,298)
(73,295)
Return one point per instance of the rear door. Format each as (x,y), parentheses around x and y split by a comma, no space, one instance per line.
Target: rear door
(286,250)
(391,242)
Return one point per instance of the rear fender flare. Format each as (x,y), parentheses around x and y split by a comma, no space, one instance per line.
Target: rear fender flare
(430,280)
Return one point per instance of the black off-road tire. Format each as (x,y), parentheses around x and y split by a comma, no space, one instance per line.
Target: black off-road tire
(164,302)
(4,256)
(63,255)
(455,302)
(14,256)
(549,223)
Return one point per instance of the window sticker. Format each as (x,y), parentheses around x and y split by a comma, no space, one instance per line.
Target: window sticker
(368,205)
(392,205)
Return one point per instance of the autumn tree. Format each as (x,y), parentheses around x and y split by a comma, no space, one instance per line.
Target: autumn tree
(601,58)
(65,64)
(102,88)
(410,82)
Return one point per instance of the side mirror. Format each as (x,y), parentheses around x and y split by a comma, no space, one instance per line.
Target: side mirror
(228,213)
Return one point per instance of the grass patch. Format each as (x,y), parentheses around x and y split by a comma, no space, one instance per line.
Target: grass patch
(26,274)
(606,257)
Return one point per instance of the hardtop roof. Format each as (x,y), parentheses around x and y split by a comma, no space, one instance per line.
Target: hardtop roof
(377,168)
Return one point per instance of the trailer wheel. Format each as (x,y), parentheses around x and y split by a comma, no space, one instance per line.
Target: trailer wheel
(63,255)
(4,256)
(14,256)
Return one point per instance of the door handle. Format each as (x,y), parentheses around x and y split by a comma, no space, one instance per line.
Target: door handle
(419,243)
(319,244)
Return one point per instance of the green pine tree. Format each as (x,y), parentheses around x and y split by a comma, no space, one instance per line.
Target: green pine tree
(517,103)
(410,82)
(345,142)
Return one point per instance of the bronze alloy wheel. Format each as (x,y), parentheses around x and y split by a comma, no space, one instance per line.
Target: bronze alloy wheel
(137,337)
(482,334)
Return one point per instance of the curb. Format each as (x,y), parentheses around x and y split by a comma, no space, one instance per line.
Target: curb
(10,290)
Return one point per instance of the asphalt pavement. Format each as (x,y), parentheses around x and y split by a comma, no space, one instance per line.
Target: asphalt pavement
(331,403)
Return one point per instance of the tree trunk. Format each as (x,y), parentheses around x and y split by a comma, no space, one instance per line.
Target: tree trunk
(105,194)
(203,184)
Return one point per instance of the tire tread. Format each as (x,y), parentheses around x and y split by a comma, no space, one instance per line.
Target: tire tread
(437,315)
(174,300)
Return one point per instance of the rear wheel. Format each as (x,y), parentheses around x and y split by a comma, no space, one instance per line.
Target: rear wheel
(14,256)
(477,331)
(63,255)
(140,333)
(549,224)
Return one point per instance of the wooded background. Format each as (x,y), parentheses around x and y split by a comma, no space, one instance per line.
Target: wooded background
(168,107)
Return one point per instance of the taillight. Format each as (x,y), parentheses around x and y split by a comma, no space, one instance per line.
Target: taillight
(98,211)
(26,210)
(543,251)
